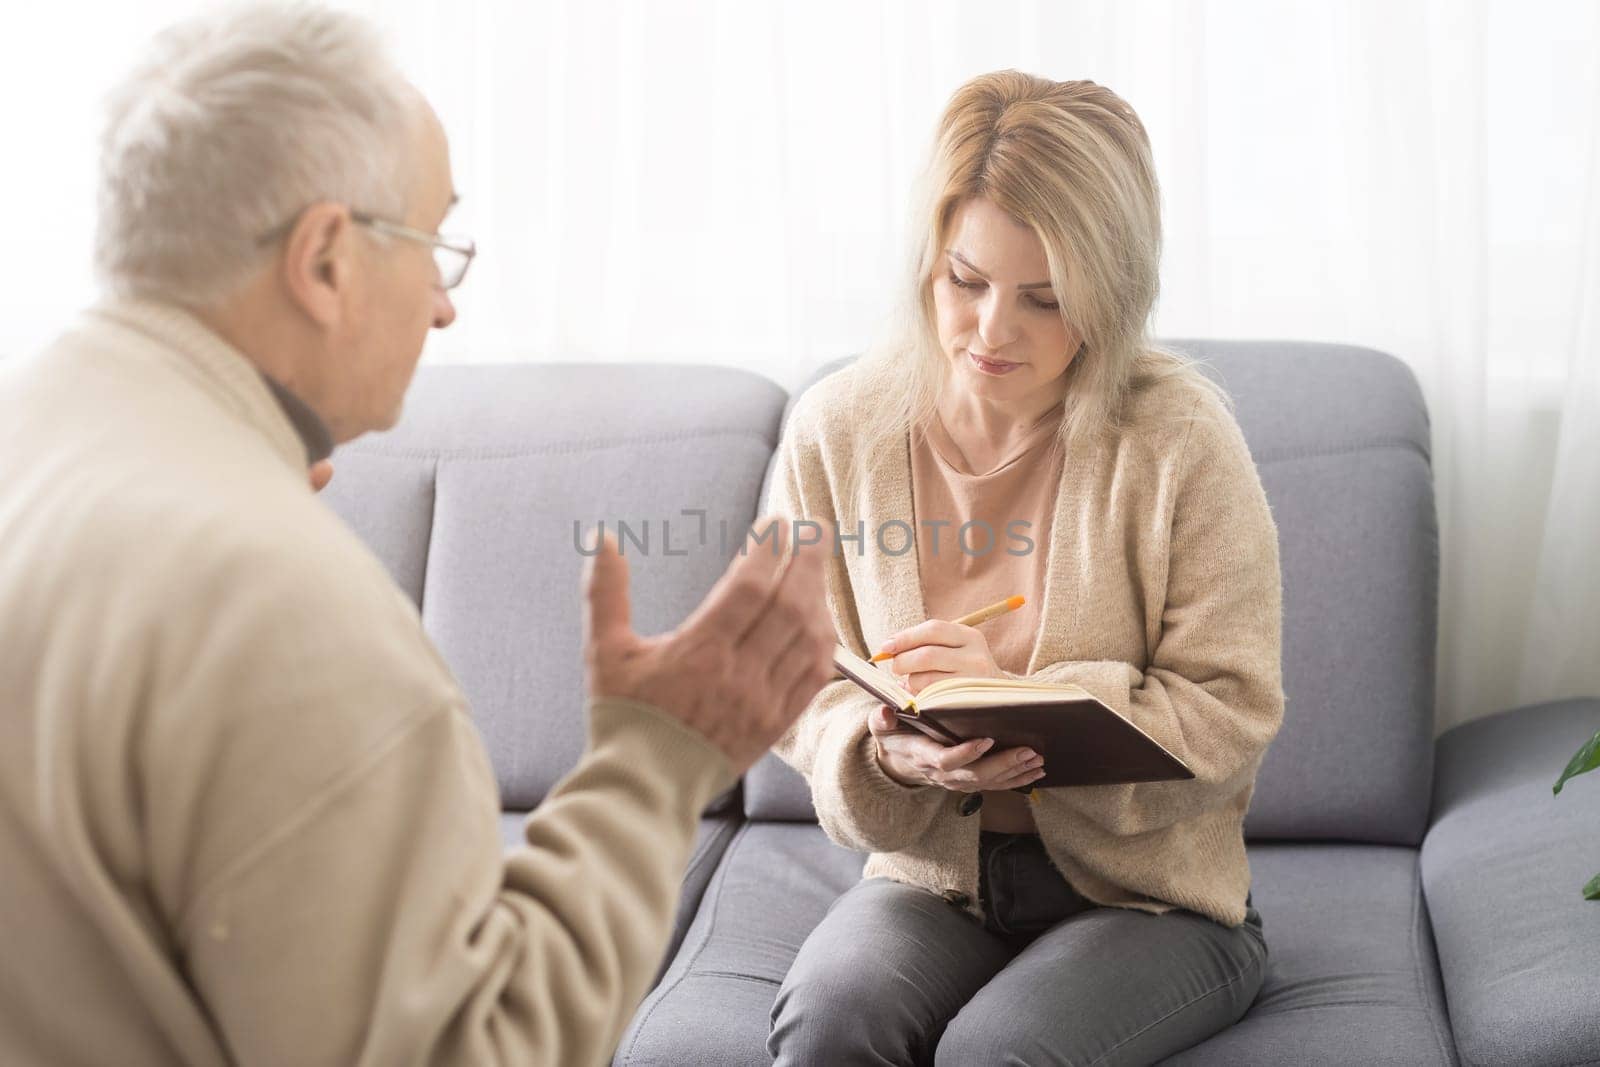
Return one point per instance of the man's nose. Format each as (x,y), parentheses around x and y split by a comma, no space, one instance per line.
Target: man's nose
(444,309)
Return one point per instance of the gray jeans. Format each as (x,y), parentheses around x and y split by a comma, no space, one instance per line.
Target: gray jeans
(897,975)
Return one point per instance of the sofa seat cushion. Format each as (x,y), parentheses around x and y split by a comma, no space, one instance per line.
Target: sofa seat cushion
(1351,978)
(1504,865)
(774,885)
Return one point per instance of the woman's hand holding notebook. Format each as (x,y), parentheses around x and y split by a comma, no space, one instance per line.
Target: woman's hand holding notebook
(1083,741)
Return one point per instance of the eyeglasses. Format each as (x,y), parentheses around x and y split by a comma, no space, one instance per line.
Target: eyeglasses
(451,255)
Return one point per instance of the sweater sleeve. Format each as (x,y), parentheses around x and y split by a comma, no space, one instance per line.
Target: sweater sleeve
(1212,692)
(857,804)
(384,924)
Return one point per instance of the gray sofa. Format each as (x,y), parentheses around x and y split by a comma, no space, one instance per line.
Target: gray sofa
(1421,899)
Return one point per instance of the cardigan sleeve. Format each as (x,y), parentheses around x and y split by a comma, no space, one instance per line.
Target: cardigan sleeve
(1212,692)
(857,804)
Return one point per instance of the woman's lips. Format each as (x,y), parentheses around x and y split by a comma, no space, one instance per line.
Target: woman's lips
(996,367)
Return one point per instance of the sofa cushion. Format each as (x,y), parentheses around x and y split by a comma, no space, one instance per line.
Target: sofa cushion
(519,458)
(774,791)
(1504,865)
(1351,978)
(1340,437)
(711,1006)
(387,499)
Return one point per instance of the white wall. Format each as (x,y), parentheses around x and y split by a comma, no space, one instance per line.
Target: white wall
(726,182)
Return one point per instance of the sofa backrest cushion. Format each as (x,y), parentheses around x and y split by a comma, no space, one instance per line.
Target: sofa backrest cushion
(1340,437)
(472,502)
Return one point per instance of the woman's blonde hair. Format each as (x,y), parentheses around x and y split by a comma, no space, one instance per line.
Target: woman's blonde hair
(1071,161)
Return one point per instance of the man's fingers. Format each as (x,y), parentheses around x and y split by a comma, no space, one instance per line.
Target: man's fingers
(807,660)
(802,688)
(802,579)
(798,604)
(321,473)
(746,587)
(793,621)
(793,637)
(606,611)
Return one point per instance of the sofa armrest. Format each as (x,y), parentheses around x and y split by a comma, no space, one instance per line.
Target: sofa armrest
(1503,866)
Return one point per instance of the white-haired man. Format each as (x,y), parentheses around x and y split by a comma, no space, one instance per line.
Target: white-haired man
(244,816)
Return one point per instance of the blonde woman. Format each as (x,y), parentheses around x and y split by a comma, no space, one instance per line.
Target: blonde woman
(1023,435)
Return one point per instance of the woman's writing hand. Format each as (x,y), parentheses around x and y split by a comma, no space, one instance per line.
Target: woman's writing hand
(935,649)
(913,759)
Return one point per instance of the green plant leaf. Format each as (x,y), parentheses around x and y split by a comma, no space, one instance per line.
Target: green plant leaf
(1586,760)
(1592,890)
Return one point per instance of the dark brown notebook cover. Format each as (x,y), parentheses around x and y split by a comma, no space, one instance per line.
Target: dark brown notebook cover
(1083,740)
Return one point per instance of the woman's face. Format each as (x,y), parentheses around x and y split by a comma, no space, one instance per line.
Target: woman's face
(999,319)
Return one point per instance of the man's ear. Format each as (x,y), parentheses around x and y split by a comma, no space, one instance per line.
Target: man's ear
(318,262)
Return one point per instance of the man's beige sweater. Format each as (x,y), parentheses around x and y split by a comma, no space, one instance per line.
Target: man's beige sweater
(244,814)
(1162,598)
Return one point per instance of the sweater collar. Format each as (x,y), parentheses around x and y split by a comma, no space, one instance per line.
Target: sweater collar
(289,424)
(313,432)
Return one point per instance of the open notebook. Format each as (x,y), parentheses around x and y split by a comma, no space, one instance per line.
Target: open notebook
(1083,741)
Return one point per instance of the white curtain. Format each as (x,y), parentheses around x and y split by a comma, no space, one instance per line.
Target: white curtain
(727,182)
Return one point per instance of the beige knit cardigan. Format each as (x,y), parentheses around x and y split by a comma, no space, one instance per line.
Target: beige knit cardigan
(1162,598)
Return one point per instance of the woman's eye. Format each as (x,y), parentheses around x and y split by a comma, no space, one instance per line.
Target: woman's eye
(1043,305)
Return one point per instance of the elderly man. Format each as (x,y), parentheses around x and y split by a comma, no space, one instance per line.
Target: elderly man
(244,815)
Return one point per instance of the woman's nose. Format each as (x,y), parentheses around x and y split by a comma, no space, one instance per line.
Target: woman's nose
(995,326)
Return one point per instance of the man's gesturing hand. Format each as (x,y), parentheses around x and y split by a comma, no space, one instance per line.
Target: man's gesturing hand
(744,664)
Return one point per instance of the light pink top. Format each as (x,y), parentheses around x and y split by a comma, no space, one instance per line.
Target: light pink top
(995,545)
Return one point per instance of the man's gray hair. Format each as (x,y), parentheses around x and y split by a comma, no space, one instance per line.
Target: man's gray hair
(231,125)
